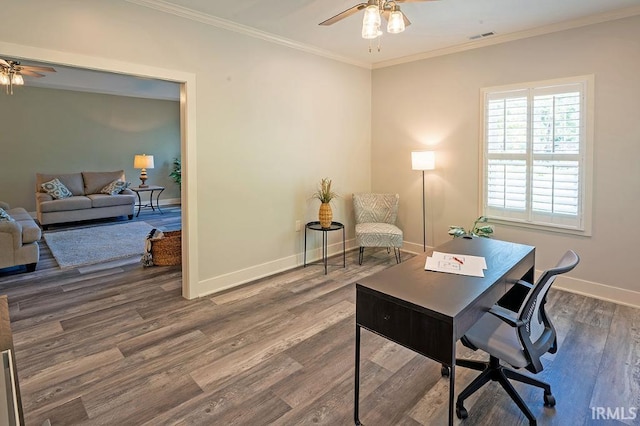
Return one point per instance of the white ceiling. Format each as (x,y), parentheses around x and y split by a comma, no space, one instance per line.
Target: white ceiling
(438,27)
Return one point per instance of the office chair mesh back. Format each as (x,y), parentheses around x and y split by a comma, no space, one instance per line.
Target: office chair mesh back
(532,309)
(535,327)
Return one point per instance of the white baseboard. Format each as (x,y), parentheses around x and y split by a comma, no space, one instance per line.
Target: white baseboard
(252,273)
(574,285)
(170,201)
(617,295)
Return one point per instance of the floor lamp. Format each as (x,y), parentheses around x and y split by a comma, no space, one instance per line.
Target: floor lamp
(423,160)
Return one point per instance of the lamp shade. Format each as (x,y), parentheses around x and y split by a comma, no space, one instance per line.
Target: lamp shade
(143,161)
(423,160)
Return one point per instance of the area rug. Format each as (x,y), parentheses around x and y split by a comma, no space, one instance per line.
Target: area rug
(97,244)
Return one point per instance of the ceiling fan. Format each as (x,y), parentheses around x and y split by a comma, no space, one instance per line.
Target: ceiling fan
(11,73)
(385,8)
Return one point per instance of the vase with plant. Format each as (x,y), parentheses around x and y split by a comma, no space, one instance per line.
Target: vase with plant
(479,229)
(176,172)
(325,195)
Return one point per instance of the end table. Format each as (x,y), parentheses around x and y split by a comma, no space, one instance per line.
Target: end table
(315,226)
(151,189)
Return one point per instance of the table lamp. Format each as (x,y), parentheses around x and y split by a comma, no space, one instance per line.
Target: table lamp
(143,162)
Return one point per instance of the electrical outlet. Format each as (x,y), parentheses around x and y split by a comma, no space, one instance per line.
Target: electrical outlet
(298,226)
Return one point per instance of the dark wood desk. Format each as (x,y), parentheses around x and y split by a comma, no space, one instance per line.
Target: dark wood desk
(428,311)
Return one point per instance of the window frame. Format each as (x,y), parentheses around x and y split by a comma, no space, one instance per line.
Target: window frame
(584,227)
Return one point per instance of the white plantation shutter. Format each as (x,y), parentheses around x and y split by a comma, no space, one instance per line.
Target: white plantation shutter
(534,154)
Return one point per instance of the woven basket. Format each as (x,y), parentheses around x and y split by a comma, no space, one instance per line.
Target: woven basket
(167,250)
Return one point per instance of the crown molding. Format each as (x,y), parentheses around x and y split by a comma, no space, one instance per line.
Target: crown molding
(167,7)
(547,29)
(225,24)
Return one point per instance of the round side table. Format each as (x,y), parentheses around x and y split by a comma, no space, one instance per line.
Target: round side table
(315,226)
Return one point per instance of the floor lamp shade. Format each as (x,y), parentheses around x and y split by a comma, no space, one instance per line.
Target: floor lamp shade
(423,160)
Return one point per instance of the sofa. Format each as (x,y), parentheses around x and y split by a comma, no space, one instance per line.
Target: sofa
(86,198)
(19,236)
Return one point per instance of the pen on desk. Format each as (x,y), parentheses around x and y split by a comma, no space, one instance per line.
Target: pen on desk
(458,260)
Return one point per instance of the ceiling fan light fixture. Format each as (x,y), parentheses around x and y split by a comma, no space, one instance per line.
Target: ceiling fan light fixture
(396,22)
(369,32)
(371,15)
(4,79)
(18,80)
(371,22)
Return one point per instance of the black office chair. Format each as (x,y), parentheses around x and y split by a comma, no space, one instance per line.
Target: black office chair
(519,339)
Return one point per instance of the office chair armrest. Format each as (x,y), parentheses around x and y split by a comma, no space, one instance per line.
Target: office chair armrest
(524,284)
(507,316)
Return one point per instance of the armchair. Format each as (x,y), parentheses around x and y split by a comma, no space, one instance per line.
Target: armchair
(375,216)
(519,339)
(19,236)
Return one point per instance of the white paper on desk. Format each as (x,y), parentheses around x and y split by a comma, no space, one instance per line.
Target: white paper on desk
(446,262)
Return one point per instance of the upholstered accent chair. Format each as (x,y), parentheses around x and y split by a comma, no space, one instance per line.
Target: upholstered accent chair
(375,216)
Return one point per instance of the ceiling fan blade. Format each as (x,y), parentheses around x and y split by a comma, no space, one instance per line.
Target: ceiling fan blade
(344,14)
(407,22)
(4,63)
(31,73)
(37,68)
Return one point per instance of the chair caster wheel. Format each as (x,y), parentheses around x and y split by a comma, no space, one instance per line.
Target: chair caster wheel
(549,400)
(444,371)
(461,412)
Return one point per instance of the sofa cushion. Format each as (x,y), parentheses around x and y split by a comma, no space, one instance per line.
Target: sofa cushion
(95,181)
(56,189)
(115,187)
(103,200)
(66,204)
(73,182)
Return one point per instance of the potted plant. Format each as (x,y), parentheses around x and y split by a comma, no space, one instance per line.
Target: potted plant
(325,195)
(477,230)
(176,173)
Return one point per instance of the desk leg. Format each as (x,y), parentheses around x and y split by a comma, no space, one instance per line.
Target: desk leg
(452,390)
(356,379)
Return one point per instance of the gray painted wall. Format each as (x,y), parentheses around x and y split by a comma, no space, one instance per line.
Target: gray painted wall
(59,131)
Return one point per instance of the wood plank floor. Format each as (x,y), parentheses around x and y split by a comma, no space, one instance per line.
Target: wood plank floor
(119,346)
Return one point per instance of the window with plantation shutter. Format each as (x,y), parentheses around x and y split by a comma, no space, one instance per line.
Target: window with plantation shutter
(536,154)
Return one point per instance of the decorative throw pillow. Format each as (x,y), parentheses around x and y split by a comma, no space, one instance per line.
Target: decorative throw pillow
(56,189)
(115,187)
(4,216)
